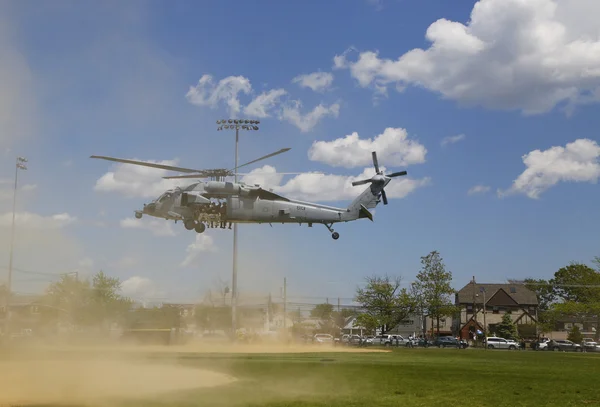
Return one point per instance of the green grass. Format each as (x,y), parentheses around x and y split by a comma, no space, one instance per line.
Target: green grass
(404,377)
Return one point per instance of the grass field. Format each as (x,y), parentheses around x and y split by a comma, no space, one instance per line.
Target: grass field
(405,377)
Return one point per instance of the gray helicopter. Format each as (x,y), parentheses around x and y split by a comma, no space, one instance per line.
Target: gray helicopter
(238,202)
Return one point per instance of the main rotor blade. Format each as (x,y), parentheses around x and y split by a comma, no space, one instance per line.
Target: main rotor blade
(146,164)
(282,173)
(397,174)
(375,162)
(362,182)
(283,150)
(200,175)
(384,197)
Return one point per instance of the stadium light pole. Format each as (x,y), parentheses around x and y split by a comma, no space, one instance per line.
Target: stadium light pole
(20,165)
(237,125)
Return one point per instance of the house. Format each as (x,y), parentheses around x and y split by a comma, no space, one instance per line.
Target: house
(483,305)
(446,326)
(587,325)
(351,327)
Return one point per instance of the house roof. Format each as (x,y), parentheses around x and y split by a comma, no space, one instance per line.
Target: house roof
(518,292)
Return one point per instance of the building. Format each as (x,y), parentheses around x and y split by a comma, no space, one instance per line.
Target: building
(412,325)
(483,305)
(446,326)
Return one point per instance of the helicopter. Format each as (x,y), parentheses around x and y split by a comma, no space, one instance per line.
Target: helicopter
(193,204)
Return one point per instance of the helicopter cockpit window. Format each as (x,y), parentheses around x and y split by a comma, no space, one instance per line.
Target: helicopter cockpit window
(164,196)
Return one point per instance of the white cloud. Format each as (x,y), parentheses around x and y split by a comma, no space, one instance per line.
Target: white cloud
(266,176)
(138,181)
(478,189)
(329,187)
(86,263)
(35,221)
(317,81)
(291,113)
(140,287)
(268,103)
(202,244)
(206,93)
(265,102)
(7,189)
(576,162)
(158,227)
(512,54)
(392,146)
(453,139)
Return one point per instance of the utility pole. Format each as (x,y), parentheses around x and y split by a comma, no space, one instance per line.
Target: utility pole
(236,124)
(284,303)
(19,166)
(338,304)
(474,311)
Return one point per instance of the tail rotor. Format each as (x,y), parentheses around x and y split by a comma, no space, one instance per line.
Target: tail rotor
(379,178)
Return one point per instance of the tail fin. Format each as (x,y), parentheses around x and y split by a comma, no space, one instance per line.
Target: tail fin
(359,208)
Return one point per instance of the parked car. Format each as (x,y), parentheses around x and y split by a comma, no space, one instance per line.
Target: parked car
(323,339)
(494,342)
(564,345)
(392,340)
(446,342)
(589,345)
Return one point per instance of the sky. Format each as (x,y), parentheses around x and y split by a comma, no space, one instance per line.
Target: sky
(491,107)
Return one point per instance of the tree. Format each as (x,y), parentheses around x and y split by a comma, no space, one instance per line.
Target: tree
(324,312)
(575,335)
(507,329)
(544,292)
(384,303)
(578,286)
(88,303)
(432,290)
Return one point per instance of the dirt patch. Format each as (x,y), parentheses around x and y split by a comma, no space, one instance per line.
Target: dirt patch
(94,381)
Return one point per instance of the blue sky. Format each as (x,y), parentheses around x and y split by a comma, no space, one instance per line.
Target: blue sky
(108,78)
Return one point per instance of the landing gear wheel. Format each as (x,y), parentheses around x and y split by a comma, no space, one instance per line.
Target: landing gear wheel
(200,228)
(138,215)
(189,224)
(335,235)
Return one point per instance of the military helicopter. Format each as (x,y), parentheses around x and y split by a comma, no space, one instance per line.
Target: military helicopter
(192,204)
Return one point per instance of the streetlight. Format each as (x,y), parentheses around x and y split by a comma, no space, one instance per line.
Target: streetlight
(20,165)
(237,125)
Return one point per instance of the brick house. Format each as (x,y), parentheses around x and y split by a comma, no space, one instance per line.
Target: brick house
(500,299)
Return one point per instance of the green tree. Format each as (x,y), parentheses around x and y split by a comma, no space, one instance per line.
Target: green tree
(578,286)
(506,328)
(544,291)
(575,335)
(432,290)
(324,313)
(383,302)
(88,303)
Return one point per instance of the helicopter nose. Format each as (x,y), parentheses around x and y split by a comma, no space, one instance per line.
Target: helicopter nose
(151,207)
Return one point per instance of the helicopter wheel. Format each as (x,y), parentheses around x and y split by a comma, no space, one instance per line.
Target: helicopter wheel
(138,215)
(189,224)
(200,227)
(335,235)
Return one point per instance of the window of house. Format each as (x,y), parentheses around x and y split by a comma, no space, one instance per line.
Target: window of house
(470,309)
(495,310)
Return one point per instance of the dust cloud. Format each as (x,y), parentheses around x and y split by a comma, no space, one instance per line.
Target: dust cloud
(95,374)
(91,376)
